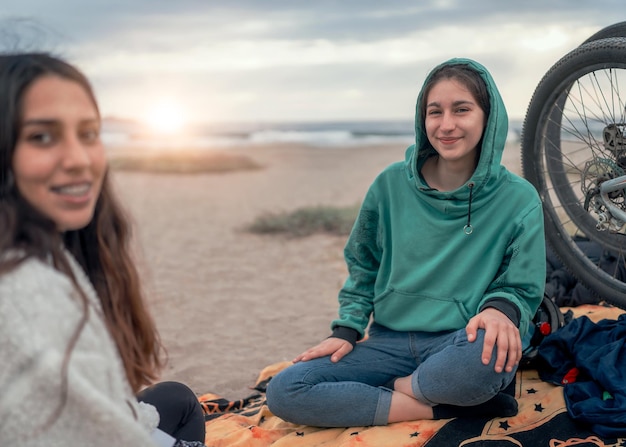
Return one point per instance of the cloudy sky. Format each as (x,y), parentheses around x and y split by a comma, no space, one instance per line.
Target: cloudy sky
(293,60)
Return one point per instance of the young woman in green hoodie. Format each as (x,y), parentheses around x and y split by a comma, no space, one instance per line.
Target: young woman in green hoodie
(446,266)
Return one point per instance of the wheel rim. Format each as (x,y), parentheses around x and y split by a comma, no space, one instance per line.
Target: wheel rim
(571,143)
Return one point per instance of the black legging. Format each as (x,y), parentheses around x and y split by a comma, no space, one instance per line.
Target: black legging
(180,411)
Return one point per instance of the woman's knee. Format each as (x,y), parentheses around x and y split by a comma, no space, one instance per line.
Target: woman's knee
(180,412)
(278,388)
(170,393)
(285,390)
(458,376)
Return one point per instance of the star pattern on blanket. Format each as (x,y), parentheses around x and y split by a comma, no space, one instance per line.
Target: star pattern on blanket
(542,418)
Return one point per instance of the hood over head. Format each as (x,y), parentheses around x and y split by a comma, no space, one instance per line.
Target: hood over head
(492,142)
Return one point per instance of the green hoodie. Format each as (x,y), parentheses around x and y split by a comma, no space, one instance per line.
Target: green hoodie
(412,267)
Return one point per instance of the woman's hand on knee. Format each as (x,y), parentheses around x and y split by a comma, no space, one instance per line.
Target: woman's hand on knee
(336,348)
(500,332)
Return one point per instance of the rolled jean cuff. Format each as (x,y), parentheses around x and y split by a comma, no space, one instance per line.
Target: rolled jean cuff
(382,409)
(417,392)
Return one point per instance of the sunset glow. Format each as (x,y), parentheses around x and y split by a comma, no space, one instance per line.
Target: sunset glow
(166,117)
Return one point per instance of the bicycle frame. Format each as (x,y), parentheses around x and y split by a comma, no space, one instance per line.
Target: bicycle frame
(616,217)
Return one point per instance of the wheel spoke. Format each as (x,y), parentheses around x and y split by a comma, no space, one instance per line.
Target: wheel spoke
(574,140)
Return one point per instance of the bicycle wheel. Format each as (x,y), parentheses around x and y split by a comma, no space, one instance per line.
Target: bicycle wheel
(574,139)
(615,30)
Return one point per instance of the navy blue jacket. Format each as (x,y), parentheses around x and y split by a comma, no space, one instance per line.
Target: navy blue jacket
(597,396)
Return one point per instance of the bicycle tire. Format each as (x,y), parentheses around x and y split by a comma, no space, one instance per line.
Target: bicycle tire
(615,30)
(559,138)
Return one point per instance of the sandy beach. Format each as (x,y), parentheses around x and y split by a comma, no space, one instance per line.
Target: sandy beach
(227,302)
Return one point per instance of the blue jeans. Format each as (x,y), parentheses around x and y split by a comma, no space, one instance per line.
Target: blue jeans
(445,368)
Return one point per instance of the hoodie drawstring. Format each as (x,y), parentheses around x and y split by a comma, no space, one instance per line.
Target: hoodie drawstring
(468,229)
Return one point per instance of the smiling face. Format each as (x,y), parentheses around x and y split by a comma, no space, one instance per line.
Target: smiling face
(454,121)
(59,161)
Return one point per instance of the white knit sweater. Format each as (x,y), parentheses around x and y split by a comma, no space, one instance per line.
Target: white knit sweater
(39,312)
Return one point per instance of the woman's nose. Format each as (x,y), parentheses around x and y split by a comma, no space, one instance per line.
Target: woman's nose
(447,121)
(75,154)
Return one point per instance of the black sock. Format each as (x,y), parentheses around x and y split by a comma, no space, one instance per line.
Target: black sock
(510,389)
(501,405)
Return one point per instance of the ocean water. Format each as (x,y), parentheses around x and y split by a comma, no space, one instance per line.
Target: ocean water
(331,134)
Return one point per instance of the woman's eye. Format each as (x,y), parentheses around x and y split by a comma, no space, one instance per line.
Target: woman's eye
(41,138)
(90,136)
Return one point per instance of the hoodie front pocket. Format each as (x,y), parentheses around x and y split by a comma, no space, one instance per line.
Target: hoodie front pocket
(409,311)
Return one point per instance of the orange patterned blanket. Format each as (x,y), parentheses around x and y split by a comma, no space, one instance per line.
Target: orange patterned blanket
(542,420)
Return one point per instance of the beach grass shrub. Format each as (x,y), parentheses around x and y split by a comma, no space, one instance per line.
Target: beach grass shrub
(179,162)
(307,221)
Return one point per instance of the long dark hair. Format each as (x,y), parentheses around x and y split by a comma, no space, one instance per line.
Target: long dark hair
(102,247)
